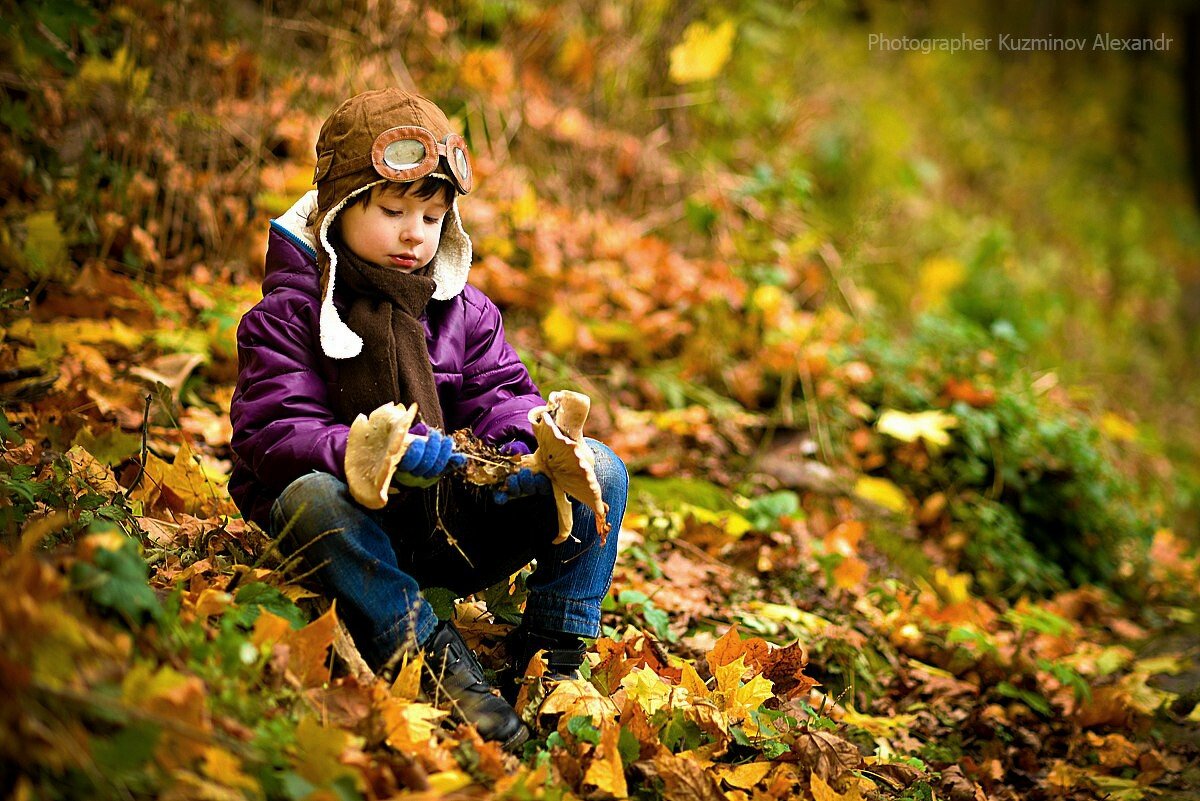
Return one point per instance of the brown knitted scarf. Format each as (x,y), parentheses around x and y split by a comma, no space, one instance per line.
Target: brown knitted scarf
(384,309)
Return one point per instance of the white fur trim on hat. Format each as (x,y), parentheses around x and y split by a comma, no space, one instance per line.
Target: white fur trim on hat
(451,265)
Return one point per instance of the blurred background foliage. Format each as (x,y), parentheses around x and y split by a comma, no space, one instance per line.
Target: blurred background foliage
(726,221)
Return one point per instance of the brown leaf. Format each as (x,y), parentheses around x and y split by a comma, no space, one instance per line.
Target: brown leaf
(686,780)
(825,754)
(784,668)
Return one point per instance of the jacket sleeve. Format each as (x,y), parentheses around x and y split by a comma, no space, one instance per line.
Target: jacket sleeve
(283,427)
(497,392)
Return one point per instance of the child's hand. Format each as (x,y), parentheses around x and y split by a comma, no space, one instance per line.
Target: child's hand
(426,459)
(524,483)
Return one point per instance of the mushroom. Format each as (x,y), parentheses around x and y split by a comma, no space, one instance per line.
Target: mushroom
(566,460)
(375,447)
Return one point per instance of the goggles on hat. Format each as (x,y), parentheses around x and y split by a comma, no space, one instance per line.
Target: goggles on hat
(409,152)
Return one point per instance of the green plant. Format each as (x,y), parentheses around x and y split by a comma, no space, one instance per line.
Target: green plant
(1041,496)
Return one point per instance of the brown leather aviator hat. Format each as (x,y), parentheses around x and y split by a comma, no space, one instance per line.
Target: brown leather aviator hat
(387,135)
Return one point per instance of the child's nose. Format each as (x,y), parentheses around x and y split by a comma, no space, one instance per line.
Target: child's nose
(411,232)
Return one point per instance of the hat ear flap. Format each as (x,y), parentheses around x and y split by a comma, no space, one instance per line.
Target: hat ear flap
(453,260)
(323,165)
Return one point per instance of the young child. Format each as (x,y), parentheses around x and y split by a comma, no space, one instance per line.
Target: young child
(366,302)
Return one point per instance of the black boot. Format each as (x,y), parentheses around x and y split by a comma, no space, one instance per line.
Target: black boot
(563,656)
(452,673)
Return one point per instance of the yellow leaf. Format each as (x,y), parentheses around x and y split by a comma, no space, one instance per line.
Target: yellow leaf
(821,791)
(269,629)
(954,588)
(877,725)
(691,681)
(649,689)
(732,523)
(408,724)
(408,680)
(882,492)
(744,777)
(449,781)
(121,71)
(1117,428)
(738,700)
(95,474)
(322,747)
(703,52)
(749,697)
(812,624)
(606,773)
(212,602)
(930,426)
(222,766)
(559,330)
(575,697)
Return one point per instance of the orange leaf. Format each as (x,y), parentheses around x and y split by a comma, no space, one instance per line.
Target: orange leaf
(731,646)
(606,773)
(269,629)
(850,573)
(309,647)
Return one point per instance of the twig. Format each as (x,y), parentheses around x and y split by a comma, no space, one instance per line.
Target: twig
(145,448)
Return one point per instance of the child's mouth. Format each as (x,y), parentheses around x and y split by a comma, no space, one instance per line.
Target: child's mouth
(406,262)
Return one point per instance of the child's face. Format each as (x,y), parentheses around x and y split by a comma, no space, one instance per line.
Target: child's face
(394,230)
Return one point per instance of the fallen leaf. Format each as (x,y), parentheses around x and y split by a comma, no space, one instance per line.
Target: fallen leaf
(685,780)
(731,647)
(821,791)
(606,772)
(826,755)
(744,777)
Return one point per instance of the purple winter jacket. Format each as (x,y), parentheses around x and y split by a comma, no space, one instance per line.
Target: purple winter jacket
(283,427)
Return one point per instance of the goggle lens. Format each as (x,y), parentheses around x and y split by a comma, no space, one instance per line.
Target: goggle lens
(461,165)
(404,154)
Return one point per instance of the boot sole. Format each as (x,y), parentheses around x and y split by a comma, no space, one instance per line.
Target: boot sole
(517,740)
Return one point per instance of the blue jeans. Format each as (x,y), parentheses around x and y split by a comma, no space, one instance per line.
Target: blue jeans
(374,563)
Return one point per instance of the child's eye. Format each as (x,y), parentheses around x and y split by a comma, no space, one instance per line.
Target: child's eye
(431,220)
(391,212)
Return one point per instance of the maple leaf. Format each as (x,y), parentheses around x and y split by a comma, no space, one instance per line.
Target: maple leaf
(322,747)
(738,700)
(651,691)
(222,766)
(731,646)
(309,647)
(408,724)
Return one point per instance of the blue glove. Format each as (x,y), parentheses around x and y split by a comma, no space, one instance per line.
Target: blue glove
(427,459)
(524,483)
